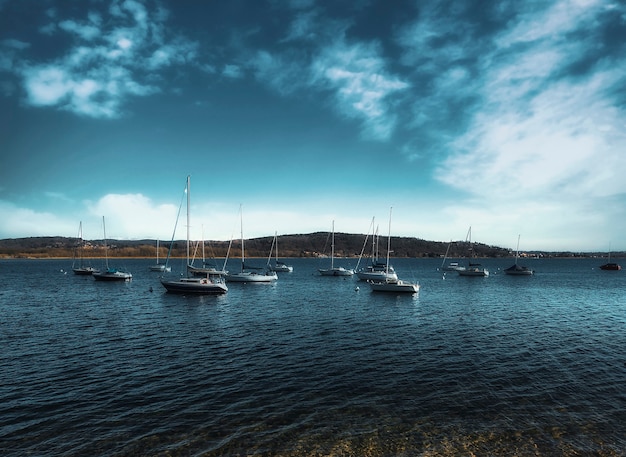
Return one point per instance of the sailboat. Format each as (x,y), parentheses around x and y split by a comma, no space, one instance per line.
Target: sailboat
(245,275)
(452,266)
(375,269)
(333,270)
(278,265)
(205,268)
(393,285)
(517,270)
(109,273)
(209,284)
(472,269)
(610,266)
(81,268)
(159,266)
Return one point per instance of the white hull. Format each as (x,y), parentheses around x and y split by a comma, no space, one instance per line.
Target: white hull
(251,277)
(195,286)
(162,268)
(474,271)
(394,286)
(112,275)
(377,275)
(337,271)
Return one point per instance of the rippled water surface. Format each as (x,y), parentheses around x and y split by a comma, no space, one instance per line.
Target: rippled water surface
(312,366)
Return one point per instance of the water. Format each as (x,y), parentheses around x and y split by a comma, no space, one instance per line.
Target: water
(311,366)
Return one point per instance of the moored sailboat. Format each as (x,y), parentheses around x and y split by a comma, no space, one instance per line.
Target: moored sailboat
(209,284)
(247,273)
(110,273)
(393,285)
(333,270)
(610,266)
(515,269)
(473,268)
(81,268)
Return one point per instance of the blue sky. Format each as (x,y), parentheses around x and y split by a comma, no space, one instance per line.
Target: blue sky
(509,118)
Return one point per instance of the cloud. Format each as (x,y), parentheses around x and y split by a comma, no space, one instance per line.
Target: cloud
(115,55)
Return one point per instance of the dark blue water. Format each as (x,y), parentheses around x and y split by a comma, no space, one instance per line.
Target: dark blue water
(310,366)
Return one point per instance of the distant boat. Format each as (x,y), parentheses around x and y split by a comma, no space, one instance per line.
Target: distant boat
(247,273)
(209,284)
(110,274)
(278,265)
(610,266)
(159,266)
(333,270)
(375,269)
(472,269)
(517,270)
(393,285)
(80,268)
(452,266)
(205,268)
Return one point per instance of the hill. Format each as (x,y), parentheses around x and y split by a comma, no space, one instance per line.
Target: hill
(298,245)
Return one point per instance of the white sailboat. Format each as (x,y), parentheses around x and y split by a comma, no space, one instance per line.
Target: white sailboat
(452,266)
(248,274)
(333,270)
(209,284)
(109,273)
(278,265)
(81,268)
(375,269)
(517,270)
(205,268)
(159,266)
(393,285)
(473,268)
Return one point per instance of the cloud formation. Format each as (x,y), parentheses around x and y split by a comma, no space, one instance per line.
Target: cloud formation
(115,55)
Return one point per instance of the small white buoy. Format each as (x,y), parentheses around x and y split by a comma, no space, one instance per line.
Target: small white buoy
(356,288)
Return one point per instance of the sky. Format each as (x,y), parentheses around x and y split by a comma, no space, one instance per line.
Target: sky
(509,118)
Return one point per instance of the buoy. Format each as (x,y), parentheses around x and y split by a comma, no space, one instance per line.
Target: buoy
(356,288)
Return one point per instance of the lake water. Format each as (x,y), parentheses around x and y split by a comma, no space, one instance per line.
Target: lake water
(310,366)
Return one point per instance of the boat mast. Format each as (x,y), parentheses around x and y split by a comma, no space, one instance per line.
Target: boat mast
(188,199)
(241,228)
(332,247)
(388,241)
(106,256)
(517,250)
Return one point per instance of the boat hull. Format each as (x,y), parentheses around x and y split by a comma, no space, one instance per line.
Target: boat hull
(376,275)
(112,275)
(340,271)
(473,271)
(161,268)
(202,286)
(84,271)
(251,277)
(610,267)
(398,286)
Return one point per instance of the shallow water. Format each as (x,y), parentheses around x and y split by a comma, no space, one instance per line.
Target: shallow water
(312,366)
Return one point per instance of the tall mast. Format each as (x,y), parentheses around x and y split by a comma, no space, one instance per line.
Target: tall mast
(388,241)
(332,247)
(241,225)
(188,199)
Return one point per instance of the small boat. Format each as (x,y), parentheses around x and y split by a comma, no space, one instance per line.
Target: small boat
(452,266)
(610,266)
(375,270)
(393,285)
(517,270)
(109,273)
(250,274)
(81,268)
(278,265)
(159,266)
(333,270)
(473,269)
(209,284)
(206,267)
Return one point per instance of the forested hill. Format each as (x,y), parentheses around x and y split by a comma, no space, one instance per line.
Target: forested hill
(301,245)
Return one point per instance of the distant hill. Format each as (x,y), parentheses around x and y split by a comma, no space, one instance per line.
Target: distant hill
(299,245)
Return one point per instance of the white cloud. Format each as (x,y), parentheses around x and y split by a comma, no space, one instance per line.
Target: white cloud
(108,62)
(361,83)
